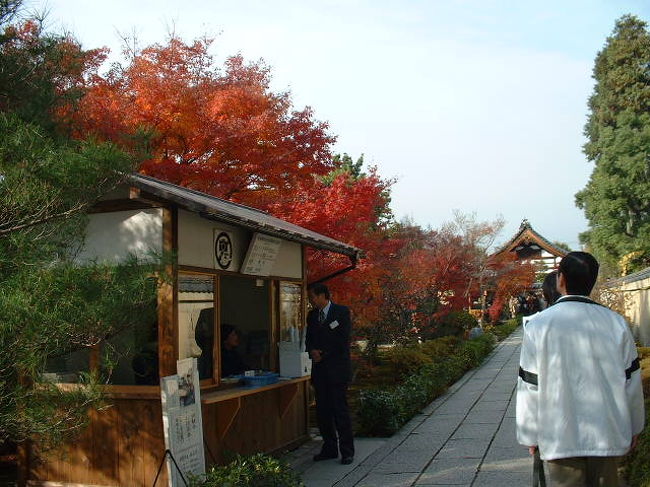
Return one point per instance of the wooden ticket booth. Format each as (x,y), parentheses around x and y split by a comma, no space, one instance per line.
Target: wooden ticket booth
(231,265)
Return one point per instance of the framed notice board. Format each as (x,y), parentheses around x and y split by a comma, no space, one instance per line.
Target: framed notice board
(261,255)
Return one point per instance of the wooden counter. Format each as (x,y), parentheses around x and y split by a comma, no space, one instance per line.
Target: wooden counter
(228,401)
(124,443)
(240,391)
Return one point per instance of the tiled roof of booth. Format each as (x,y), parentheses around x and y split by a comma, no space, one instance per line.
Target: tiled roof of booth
(218,209)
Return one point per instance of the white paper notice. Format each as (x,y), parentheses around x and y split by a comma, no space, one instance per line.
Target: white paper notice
(182,422)
(262,253)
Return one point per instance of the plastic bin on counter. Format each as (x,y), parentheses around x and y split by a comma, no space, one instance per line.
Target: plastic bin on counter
(259,379)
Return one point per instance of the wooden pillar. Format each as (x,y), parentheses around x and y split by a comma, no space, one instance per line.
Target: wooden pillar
(274,323)
(303,318)
(304,283)
(216,344)
(168,296)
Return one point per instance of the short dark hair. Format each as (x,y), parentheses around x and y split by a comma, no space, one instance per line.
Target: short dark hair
(318,288)
(226,330)
(549,288)
(580,270)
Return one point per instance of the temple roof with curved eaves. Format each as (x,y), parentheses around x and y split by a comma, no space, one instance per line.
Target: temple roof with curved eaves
(527,235)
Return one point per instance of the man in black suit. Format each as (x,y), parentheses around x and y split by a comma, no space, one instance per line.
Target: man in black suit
(328,343)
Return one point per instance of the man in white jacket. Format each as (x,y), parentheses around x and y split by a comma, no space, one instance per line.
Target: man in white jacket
(579,395)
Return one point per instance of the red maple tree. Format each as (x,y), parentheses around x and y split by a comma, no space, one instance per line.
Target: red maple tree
(220,131)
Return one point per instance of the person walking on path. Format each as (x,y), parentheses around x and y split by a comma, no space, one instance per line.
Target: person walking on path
(551,295)
(579,395)
(328,342)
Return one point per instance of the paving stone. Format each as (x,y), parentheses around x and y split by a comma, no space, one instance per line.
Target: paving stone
(504,385)
(388,480)
(491,404)
(487,375)
(476,386)
(464,448)
(320,483)
(508,453)
(485,417)
(506,434)
(475,431)
(501,479)
(421,442)
(466,395)
(496,396)
(441,430)
(400,462)
(449,471)
(512,464)
(454,408)
(443,485)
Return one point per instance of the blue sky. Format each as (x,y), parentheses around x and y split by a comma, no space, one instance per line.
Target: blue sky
(476,105)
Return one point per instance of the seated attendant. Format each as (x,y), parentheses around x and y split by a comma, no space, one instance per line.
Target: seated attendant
(231,361)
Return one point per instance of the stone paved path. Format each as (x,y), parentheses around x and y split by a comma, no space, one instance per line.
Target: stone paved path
(464,438)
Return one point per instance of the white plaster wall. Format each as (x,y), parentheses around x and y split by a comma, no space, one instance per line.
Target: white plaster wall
(196,246)
(113,236)
(637,308)
(196,241)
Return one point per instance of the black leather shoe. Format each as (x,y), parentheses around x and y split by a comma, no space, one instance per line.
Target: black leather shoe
(322,456)
(347,460)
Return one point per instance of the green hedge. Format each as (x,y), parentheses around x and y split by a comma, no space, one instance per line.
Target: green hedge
(257,470)
(505,329)
(404,361)
(382,412)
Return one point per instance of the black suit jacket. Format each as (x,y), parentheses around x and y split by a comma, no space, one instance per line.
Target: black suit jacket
(332,337)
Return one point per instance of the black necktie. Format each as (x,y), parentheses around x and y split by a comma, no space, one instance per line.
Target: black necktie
(321,316)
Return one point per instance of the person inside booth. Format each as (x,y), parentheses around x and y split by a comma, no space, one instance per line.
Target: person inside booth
(204,337)
(231,361)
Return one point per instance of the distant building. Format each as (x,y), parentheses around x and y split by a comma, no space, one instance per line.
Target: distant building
(531,246)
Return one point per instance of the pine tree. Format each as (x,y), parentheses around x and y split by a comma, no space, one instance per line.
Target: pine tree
(48,305)
(616,199)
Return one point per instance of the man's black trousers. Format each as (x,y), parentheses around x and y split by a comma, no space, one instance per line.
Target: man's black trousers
(334,417)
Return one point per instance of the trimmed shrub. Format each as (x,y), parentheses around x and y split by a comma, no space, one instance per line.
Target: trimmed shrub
(477,349)
(379,412)
(382,412)
(505,329)
(441,348)
(257,470)
(405,360)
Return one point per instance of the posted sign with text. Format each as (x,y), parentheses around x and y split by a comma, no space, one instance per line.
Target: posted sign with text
(182,424)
